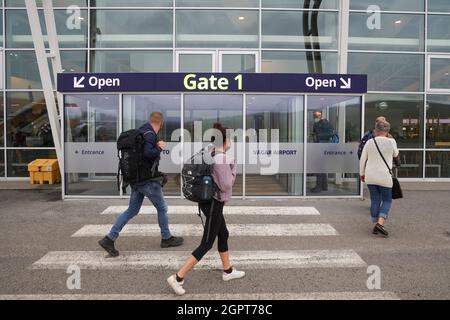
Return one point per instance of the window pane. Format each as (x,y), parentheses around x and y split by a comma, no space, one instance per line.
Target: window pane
(27,120)
(403,112)
(439,73)
(389,72)
(284,29)
(438,6)
(438,35)
(437,164)
(398,32)
(219,3)
(131,61)
(195,62)
(74,61)
(58,3)
(276,114)
(131,28)
(2,122)
(2,163)
(411,164)
(238,63)
(71,28)
(1,30)
(299,4)
(131,3)
(136,112)
(18,160)
(438,121)
(217,28)
(22,70)
(299,62)
(389,5)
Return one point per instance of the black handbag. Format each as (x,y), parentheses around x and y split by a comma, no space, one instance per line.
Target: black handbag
(397,192)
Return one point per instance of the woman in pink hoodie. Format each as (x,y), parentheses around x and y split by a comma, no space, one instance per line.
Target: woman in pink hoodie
(224,175)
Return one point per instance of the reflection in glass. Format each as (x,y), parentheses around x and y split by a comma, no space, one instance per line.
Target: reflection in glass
(438,37)
(71,27)
(91,120)
(403,112)
(208,109)
(388,5)
(2,122)
(2,163)
(131,28)
(333,128)
(22,70)
(411,164)
(437,164)
(131,61)
(438,121)
(287,29)
(18,160)
(219,3)
(399,32)
(299,62)
(388,71)
(217,28)
(300,4)
(136,112)
(27,120)
(283,114)
(74,61)
(238,63)
(59,3)
(132,3)
(438,6)
(440,73)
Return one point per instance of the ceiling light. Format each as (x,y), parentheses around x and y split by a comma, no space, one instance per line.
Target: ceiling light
(241,18)
(398,21)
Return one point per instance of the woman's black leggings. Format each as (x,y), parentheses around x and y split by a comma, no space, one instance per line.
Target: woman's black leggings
(218,229)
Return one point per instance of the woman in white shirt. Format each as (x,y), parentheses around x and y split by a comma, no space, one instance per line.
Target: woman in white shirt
(376,175)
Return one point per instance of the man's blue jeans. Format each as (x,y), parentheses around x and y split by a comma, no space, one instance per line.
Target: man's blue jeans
(381,201)
(153,191)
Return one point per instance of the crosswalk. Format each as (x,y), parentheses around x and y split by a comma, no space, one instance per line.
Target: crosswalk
(159,259)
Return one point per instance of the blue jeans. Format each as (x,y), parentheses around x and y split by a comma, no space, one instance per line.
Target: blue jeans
(381,201)
(153,191)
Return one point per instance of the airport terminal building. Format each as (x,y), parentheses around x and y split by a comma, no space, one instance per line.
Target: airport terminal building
(403,46)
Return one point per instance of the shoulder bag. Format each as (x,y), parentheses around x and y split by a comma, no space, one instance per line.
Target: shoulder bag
(396,189)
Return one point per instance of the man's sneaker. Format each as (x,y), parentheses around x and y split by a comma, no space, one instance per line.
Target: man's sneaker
(380,229)
(175,285)
(107,244)
(235,274)
(172,242)
(375,230)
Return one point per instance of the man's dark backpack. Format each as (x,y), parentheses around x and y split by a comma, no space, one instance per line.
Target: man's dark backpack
(198,183)
(132,166)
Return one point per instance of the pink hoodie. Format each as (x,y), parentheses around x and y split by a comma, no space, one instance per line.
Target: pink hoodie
(224,175)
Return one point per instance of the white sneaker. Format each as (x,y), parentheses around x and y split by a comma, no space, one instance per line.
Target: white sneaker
(235,274)
(176,286)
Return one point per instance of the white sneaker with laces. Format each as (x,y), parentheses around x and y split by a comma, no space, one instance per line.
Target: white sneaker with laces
(235,274)
(175,285)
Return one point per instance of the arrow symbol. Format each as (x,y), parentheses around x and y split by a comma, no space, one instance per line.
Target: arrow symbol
(346,84)
(78,83)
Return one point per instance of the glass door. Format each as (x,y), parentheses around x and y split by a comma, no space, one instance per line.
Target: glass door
(333,133)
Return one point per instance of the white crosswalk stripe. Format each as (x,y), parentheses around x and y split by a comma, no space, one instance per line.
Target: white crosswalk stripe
(236,230)
(373,295)
(142,260)
(230,210)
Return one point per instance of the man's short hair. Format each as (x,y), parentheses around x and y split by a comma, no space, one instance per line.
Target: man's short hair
(156,117)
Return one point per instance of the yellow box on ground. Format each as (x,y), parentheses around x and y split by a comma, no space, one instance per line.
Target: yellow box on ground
(44,170)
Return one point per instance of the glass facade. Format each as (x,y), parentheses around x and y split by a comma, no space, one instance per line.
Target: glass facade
(402,45)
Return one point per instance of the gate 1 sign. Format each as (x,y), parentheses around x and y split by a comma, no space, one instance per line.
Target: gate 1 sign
(212,82)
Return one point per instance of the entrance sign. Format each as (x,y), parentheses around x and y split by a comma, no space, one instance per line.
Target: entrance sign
(212,82)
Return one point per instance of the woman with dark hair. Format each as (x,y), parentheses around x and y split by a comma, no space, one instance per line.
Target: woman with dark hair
(224,175)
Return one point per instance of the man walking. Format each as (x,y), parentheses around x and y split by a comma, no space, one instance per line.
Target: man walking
(151,189)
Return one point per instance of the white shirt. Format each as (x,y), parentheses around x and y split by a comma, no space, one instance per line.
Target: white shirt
(372,165)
